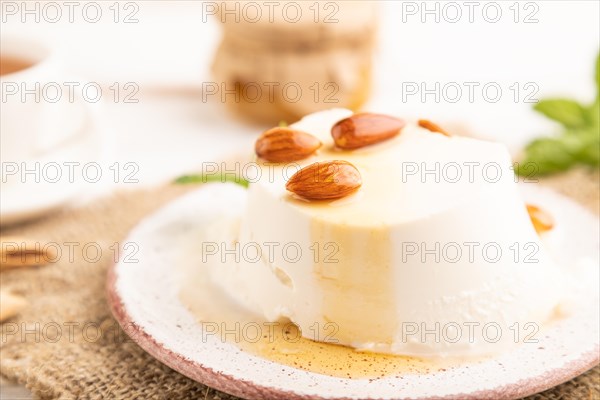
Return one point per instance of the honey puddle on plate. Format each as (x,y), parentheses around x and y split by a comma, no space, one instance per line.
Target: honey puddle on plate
(281,342)
(286,347)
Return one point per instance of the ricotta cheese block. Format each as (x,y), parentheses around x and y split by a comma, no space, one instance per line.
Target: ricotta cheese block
(434,255)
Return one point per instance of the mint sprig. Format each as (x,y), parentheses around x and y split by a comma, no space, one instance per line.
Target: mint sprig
(189,179)
(578,144)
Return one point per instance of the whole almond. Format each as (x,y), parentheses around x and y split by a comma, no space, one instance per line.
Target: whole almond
(282,144)
(10,304)
(430,126)
(21,252)
(541,220)
(325,180)
(365,129)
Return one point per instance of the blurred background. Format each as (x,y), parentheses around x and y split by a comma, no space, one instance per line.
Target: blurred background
(477,68)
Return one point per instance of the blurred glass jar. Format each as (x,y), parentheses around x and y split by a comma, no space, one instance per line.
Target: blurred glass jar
(282,60)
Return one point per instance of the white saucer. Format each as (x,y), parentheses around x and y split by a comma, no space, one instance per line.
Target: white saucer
(32,197)
(143,293)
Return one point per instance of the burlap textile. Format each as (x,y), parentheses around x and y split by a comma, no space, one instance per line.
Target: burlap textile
(79,362)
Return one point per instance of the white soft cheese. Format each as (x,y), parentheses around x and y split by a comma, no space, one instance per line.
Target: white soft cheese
(410,263)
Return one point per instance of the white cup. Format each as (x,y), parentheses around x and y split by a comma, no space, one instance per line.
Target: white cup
(34,121)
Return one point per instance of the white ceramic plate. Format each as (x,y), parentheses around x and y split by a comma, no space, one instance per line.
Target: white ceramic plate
(143,293)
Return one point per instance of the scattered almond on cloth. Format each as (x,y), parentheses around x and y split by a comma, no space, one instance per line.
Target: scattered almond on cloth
(10,304)
(18,252)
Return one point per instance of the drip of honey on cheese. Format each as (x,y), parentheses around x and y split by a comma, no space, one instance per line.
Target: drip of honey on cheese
(282,342)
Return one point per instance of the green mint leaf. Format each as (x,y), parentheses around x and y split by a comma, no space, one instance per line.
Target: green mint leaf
(598,78)
(187,179)
(549,155)
(593,115)
(545,156)
(588,147)
(569,113)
